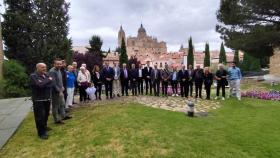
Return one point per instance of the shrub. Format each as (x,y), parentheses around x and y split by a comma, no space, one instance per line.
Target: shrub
(15,80)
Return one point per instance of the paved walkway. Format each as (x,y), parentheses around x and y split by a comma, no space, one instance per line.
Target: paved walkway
(12,113)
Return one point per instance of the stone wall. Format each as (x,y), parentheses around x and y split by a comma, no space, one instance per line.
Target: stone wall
(275,63)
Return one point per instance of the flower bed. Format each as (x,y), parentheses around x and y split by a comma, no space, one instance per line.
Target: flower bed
(265,95)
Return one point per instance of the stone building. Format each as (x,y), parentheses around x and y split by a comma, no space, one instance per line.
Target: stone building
(142,44)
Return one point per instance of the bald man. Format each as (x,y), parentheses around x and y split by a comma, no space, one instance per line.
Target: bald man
(41,85)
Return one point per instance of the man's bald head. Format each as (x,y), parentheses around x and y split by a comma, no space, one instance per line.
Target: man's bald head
(41,68)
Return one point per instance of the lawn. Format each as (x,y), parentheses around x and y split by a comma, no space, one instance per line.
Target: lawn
(250,128)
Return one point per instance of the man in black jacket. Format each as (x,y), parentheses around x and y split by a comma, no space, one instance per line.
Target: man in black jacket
(165,75)
(190,81)
(124,77)
(156,77)
(147,75)
(198,76)
(41,85)
(108,74)
(133,79)
(183,79)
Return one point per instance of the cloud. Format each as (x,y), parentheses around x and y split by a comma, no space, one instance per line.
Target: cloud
(173,21)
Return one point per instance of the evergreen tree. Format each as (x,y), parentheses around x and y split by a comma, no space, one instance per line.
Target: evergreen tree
(36,31)
(190,57)
(250,25)
(236,58)
(17,29)
(222,56)
(250,63)
(94,56)
(207,56)
(123,55)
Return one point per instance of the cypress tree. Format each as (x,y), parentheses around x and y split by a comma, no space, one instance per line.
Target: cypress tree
(123,55)
(207,56)
(236,57)
(190,57)
(222,56)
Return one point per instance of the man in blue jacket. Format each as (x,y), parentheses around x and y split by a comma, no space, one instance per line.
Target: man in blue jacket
(234,76)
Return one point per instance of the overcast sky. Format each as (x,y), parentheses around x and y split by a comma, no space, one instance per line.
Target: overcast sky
(172,21)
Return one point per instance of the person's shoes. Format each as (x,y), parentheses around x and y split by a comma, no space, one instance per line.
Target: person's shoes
(118,95)
(177,95)
(43,137)
(239,99)
(100,98)
(173,95)
(67,117)
(216,98)
(48,129)
(107,97)
(59,123)
(74,103)
(223,98)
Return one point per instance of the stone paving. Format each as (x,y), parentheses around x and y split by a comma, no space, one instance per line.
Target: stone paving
(167,103)
(12,113)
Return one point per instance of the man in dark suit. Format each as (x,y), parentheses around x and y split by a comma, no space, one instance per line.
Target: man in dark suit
(190,81)
(108,76)
(133,79)
(165,75)
(156,77)
(140,79)
(183,79)
(147,76)
(198,76)
(124,77)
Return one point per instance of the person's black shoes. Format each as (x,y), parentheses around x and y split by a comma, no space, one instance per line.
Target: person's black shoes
(43,137)
(59,122)
(67,117)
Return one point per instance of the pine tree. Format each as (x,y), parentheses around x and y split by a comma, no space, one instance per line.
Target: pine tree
(222,56)
(190,58)
(236,58)
(123,55)
(207,56)
(94,56)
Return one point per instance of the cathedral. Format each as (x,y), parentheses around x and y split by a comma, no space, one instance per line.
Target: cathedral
(142,45)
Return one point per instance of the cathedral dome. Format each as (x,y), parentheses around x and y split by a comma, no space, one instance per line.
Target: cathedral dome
(141,31)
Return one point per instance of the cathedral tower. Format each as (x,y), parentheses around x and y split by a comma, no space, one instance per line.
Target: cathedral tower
(121,36)
(141,32)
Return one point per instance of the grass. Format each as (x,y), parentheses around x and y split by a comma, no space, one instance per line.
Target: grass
(239,129)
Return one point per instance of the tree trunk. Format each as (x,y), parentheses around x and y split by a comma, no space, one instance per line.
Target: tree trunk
(274,66)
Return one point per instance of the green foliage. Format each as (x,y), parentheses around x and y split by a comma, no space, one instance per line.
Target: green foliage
(15,80)
(123,54)
(95,45)
(250,25)
(207,56)
(36,31)
(190,58)
(250,63)
(236,58)
(222,56)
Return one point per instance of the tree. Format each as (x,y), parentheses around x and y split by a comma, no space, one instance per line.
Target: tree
(94,56)
(236,58)
(17,31)
(250,25)
(207,56)
(1,53)
(36,31)
(190,57)
(222,56)
(123,55)
(250,63)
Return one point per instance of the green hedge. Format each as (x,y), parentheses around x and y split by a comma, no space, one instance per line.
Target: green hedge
(15,83)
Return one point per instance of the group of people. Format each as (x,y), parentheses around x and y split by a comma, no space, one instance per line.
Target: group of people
(56,88)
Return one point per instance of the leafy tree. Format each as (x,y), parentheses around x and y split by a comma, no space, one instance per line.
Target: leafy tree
(250,25)
(236,58)
(207,56)
(222,56)
(123,58)
(190,58)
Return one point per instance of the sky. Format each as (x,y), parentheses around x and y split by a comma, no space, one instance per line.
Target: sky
(172,21)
